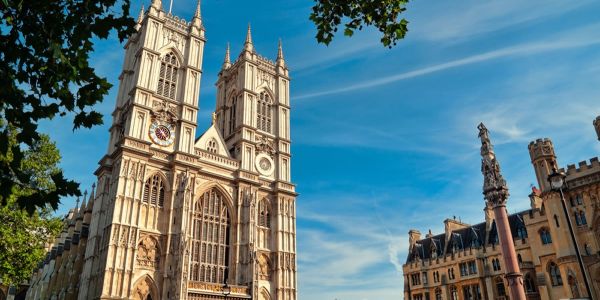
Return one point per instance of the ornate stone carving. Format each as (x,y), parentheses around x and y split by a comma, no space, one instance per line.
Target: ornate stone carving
(163,111)
(148,253)
(264,267)
(266,145)
(176,38)
(494,185)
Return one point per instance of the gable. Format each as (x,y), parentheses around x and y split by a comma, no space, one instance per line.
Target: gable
(212,141)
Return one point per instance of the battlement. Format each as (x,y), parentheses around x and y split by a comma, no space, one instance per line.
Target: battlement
(583,167)
(541,148)
(177,22)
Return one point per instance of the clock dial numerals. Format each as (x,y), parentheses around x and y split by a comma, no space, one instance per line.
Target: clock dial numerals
(265,164)
(162,133)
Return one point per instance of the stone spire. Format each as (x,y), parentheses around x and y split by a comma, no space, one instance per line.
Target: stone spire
(227,61)
(156,4)
(140,19)
(248,46)
(280,59)
(91,198)
(597,126)
(495,190)
(197,20)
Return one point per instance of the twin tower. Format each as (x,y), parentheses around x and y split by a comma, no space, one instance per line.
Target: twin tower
(175,216)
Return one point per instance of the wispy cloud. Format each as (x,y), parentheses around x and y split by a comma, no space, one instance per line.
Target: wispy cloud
(460,21)
(518,50)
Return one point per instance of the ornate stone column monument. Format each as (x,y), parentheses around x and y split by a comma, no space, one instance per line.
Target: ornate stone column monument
(495,192)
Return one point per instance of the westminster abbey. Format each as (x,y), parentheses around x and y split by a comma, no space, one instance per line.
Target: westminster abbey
(173,216)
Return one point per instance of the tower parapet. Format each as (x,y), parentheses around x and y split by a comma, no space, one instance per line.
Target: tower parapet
(543,159)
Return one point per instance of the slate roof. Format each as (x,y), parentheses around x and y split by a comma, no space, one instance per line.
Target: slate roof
(463,238)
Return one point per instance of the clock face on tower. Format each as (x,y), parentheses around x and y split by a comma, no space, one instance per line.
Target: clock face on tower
(162,133)
(264,164)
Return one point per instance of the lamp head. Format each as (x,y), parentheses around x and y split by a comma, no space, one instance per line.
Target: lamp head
(556,179)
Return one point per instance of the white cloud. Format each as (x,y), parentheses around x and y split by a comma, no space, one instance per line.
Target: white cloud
(458,21)
(518,50)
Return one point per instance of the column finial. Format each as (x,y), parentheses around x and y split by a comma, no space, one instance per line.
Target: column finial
(227,60)
(280,58)
(248,46)
(495,189)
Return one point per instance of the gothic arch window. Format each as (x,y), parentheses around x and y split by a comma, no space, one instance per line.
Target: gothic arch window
(453,293)
(232,115)
(212,146)
(154,191)
(210,244)
(438,294)
(145,289)
(554,272)
(264,216)
(500,289)
(529,283)
(522,232)
(167,78)
(573,286)
(582,218)
(264,113)
(545,236)
(496,264)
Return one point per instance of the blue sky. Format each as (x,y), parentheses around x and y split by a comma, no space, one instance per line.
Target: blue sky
(386,140)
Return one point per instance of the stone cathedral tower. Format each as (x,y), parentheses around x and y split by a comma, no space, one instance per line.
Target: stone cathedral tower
(175,217)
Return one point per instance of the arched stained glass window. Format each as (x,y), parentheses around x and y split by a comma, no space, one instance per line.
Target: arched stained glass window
(529,283)
(554,272)
(545,236)
(264,113)
(232,115)
(167,78)
(211,238)
(154,191)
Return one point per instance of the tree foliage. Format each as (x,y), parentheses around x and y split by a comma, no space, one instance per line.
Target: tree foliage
(384,15)
(44,73)
(23,236)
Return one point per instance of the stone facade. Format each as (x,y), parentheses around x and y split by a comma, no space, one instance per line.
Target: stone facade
(175,217)
(465,261)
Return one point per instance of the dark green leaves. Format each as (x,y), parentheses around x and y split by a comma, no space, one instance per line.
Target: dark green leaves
(384,15)
(44,72)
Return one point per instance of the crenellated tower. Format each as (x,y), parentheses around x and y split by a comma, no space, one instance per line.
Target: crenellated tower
(543,159)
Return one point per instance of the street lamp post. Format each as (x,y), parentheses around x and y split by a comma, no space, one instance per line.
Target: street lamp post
(557,181)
